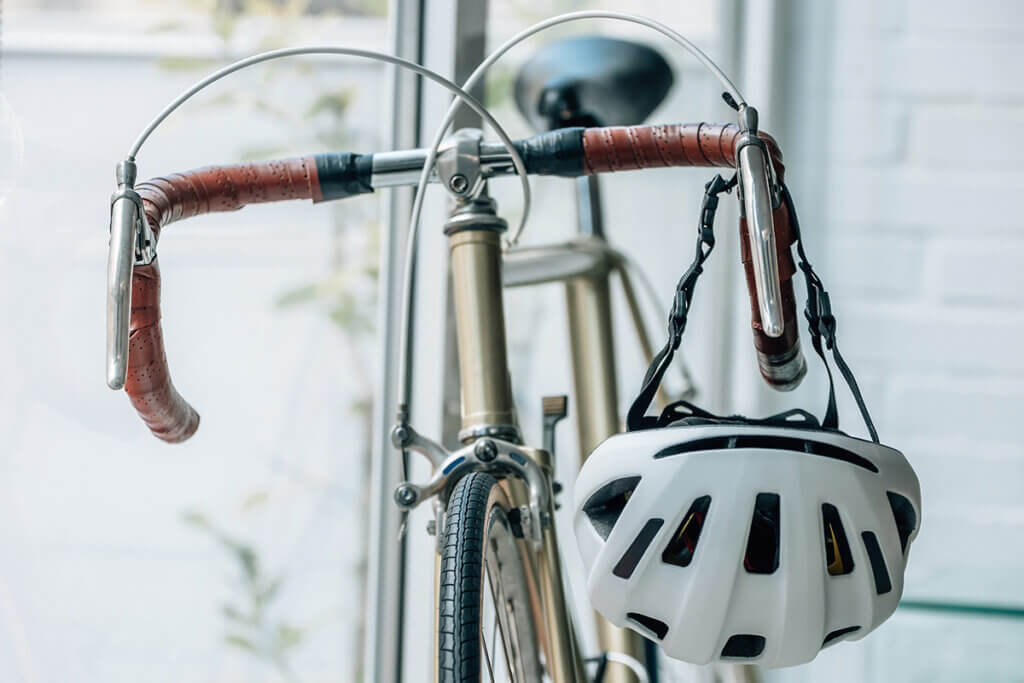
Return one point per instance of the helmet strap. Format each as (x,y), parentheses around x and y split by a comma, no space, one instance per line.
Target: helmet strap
(637,418)
(822,326)
(818,311)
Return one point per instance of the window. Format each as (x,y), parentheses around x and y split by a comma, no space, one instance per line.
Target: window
(237,555)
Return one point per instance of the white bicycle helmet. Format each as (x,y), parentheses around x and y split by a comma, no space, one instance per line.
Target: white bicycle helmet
(758,541)
(745,542)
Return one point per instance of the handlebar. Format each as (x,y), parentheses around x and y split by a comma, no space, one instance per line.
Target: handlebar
(137,361)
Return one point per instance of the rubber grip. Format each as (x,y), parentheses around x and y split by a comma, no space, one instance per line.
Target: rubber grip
(626,148)
(172,198)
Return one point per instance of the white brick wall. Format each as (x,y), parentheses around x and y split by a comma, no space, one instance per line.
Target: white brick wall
(914,217)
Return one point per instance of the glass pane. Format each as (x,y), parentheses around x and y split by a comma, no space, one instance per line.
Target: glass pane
(238,555)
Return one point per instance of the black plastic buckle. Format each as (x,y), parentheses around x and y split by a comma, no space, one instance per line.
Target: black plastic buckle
(709,206)
(819,315)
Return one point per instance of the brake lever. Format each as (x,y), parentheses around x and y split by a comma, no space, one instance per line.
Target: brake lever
(132,243)
(757,189)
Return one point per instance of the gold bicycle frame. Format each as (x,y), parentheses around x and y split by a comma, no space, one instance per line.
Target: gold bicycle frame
(585,266)
(488,410)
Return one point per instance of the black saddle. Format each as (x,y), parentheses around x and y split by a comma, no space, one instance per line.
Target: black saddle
(591,81)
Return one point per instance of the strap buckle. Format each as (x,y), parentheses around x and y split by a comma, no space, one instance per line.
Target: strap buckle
(819,313)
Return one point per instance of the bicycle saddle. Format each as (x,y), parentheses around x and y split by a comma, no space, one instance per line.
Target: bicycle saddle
(591,81)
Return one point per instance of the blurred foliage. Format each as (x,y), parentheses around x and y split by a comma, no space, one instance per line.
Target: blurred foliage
(347,292)
(251,627)
(499,85)
(350,303)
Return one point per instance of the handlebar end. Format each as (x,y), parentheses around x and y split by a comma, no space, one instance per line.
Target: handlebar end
(116,377)
(783,372)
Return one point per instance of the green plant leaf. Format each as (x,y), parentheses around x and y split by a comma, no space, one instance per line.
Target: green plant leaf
(186,63)
(195,518)
(224,99)
(247,559)
(333,103)
(289,636)
(241,642)
(267,593)
(224,25)
(255,499)
(233,613)
(299,295)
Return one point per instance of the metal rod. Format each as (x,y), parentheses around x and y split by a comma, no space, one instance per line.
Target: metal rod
(588,206)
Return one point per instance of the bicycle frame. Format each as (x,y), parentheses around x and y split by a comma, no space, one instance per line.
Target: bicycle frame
(474,235)
(585,266)
(479,272)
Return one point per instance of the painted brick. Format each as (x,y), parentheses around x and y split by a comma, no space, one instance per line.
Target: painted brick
(981,203)
(985,136)
(991,17)
(871,16)
(873,265)
(875,130)
(974,470)
(933,339)
(957,66)
(986,272)
(957,408)
(948,67)
(862,64)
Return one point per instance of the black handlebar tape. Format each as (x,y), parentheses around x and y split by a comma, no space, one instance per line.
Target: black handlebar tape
(558,153)
(343,175)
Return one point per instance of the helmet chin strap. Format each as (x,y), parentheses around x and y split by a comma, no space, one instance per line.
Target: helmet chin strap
(637,418)
(821,325)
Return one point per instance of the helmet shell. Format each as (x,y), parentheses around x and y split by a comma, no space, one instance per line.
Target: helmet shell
(803,542)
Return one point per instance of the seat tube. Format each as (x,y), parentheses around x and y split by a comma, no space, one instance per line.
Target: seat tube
(588,303)
(588,300)
(474,238)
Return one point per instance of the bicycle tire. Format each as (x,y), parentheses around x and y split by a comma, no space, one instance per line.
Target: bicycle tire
(481,558)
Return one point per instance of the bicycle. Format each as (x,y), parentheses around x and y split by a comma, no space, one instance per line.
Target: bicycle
(493,497)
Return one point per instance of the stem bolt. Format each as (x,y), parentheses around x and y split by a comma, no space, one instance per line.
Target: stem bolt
(485,450)
(458,183)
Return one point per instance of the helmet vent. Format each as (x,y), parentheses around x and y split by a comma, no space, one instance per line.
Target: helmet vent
(769,442)
(683,545)
(762,556)
(656,626)
(837,634)
(906,518)
(838,560)
(631,558)
(882,583)
(606,505)
(743,646)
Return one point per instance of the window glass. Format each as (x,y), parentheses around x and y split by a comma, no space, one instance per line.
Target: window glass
(238,555)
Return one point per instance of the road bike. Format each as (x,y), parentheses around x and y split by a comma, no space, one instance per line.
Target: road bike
(502,611)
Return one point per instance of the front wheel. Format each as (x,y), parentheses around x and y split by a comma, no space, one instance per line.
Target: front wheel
(486,628)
